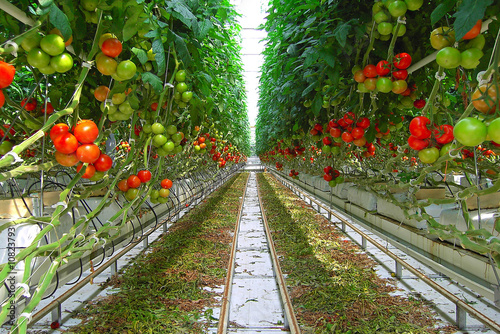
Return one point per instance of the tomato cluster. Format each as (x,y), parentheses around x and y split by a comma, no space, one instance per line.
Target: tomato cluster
(106,62)
(47,54)
(79,148)
(348,129)
(161,196)
(385,13)
(182,94)
(467,55)
(375,77)
(279,166)
(293,174)
(332,176)
(428,141)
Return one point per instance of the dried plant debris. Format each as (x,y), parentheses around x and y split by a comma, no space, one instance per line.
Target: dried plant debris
(333,285)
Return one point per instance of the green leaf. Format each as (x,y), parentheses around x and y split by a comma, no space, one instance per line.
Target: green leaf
(131,26)
(202,29)
(327,55)
(153,80)
(60,21)
(469,12)
(181,47)
(310,88)
(317,103)
(309,21)
(182,13)
(441,10)
(296,126)
(159,55)
(141,55)
(341,33)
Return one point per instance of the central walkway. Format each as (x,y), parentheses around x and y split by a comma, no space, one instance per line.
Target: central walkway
(255,301)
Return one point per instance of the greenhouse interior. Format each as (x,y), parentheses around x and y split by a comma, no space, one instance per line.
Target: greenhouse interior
(249,166)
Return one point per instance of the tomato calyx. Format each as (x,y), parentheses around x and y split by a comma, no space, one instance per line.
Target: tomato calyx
(402,61)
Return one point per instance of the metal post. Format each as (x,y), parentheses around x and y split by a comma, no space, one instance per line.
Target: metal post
(57,313)
(461,318)
(343,226)
(145,242)
(496,290)
(329,216)
(399,270)
(114,268)
(363,242)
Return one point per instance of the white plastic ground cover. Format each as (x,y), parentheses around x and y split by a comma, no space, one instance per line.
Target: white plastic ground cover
(362,198)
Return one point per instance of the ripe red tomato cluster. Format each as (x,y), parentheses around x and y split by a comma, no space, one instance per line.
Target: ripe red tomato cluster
(422,137)
(79,147)
(7,72)
(349,130)
(376,77)
(130,186)
(293,174)
(330,173)
(279,166)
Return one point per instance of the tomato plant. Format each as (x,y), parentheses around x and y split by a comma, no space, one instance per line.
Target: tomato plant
(428,155)
(166,183)
(111,47)
(402,61)
(89,171)
(67,160)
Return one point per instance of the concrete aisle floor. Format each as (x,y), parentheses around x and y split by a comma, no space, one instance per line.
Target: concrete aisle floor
(255,305)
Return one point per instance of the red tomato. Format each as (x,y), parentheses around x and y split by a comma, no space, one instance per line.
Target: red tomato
(363,123)
(402,61)
(327,177)
(399,86)
(89,171)
(335,132)
(326,141)
(67,160)
(349,117)
(347,137)
(333,124)
(417,144)
(342,123)
(58,129)
(144,175)
(28,105)
(50,109)
(123,185)
(400,74)
(418,127)
(444,134)
(2,99)
(370,71)
(86,131)
(383,68)
(166,183)
(103,163)
(133,181)
(358,133)
(419,104)
(111,47)
(328,169)
(88,153)
(65,143)
(101,93)
(7,72)
(475,30)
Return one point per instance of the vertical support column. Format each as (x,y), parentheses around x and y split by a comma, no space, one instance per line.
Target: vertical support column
(343,227)
(363,242)
(145,242)
(461,318)
(114,268)
(165,227)
(399,270)
(56,313)
(329,216)
(496,290)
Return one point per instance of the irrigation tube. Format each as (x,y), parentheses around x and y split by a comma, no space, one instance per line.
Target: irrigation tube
(59,300)
(457,301)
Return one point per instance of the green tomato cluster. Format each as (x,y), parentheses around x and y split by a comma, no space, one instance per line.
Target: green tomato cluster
(47,54)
